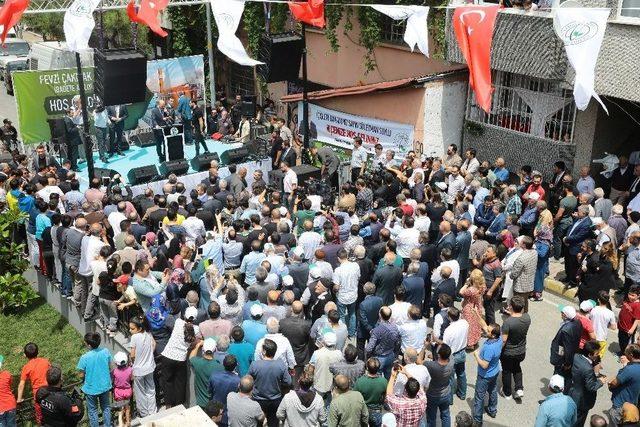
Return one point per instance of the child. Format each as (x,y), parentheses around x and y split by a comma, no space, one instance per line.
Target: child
(129,297)
(122,391)
(35,370)
(7,400)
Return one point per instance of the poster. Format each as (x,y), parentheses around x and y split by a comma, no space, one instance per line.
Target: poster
(338,128)
(41,95)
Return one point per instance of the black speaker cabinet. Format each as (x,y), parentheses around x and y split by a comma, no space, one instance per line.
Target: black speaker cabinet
(142,175)
(143,139)
(104,172)
(203,161)
(236,155)
(304,173)
(177,167)
(120,76)
(281,54)
(56,126)
(249,106)
(175,147)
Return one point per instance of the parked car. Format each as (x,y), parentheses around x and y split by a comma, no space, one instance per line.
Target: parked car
(12,50)
(18,65)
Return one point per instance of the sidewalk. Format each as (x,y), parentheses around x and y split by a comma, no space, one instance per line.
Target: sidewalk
(553,284)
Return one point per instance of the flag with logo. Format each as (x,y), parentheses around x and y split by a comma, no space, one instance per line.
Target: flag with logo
(309,11)
(416,32)
(79,23)
(147,14)
(228,14)
(473,25)
(10,13)
(582,31)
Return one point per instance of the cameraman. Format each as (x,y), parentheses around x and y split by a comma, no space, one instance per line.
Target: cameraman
(58,409)
(330,163)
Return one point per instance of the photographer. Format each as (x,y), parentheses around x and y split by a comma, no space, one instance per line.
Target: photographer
(330,163)
(409,407)
(58,408)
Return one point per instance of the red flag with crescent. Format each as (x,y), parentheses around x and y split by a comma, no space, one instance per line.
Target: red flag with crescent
(310,12)
(473,26)
(147,14)
(10,13)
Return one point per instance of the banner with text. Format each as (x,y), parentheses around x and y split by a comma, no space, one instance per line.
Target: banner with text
(336,127)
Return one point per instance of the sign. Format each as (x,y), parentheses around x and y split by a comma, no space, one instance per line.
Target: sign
(338,128)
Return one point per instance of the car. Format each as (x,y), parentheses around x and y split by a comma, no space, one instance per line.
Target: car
(12,50)
(18,65)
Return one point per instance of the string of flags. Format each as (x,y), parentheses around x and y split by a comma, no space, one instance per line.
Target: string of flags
(580,29)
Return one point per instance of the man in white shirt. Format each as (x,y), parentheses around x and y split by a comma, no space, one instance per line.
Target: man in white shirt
(417,371)
(603,319)
(422,221)
(455,184)
(407,237)
(414,331)
(289,181)
(399,308)
(90,249)
(346,277)
(453,264)
(116,217)
(358,159)
(309,240)
(284,351)
(470,165)
(193,226)
(52,187)
(455,336)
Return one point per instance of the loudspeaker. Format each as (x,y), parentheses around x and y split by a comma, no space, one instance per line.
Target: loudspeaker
(178,167)
(304,173)
(248,106)
(142,175)
(145,139)
(102,172)
(56,126)
(236,155)
(203,161)
(120,76)
(281,54)
(175,147)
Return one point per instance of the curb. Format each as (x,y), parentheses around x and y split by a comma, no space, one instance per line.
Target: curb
(558,288)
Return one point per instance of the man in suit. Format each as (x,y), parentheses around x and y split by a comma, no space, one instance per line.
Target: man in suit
(578,233)
(634,188)
(288,154)
(186,114)
(461,250)
(72,139)
(387,279)
(565,344)
(555,185)
(585,383)
(42,160)
(447,239)
(117,115)
(158,121)
(445,286)
(367,316)
(621,179)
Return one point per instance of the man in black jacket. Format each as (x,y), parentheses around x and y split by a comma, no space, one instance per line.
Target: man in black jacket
(58,409)
(565,344)
(72,139)
(296,328)
(585,383)
(117,115)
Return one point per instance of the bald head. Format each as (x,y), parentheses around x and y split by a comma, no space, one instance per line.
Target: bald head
(330,306)
(96,229)
(129,240)
(410,355)
(297,307)
(246,384)
(389,258)
(445,272)
(342,383)
(81,223)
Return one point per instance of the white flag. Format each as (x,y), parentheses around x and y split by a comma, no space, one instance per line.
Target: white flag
(79,23)
(416,17)
(582,31)
(227,14)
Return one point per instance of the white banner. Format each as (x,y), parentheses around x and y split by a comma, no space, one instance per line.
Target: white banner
(79,23)
(338,128)
(582,31)
(228,14)
(416,31)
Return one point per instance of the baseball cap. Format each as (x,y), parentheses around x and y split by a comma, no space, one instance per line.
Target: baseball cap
(329,339)
(287,281)
(298,251)
(315,273)
(568,311)
(587,305)
(441,185)
(388,420)
(191,313)
(209,345)
(256,310)
(556,383)
(283,211)
(120,358)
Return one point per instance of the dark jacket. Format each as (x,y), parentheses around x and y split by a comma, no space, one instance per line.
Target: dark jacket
(575,236)
(59,409)
(124,113)
(584,384)
(386,280)
(368,315)
(297,330)
(448,241)
(414,287)
(565,343)
(447,286)
(463,244)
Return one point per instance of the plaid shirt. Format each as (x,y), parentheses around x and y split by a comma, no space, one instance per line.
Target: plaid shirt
(408,412)
(514,206)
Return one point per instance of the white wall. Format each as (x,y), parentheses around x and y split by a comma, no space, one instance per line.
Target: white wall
(444,107)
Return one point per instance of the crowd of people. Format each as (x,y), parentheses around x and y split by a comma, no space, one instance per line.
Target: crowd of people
(364,311)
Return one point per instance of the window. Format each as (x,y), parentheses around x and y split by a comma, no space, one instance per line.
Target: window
(392,30)
(528,105)
(629,9)
(242,80)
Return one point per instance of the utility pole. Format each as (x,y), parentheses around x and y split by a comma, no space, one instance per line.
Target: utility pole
(305,98)
(212,83)
(88,145)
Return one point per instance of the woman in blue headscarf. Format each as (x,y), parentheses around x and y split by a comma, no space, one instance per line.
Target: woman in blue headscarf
(543,242)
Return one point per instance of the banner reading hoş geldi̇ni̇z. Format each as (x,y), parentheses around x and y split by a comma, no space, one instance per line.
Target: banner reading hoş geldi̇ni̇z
(336,127)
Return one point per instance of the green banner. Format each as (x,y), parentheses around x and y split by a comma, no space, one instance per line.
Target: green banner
(41,95)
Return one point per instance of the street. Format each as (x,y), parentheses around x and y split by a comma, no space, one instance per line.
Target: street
(8,106)
(545,320)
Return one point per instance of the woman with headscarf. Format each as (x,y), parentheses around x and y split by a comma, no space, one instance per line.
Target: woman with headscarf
(207,283)
(543,245)
(472,303)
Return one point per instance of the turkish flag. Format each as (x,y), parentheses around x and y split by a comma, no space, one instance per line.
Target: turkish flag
(147,14)
(310,11)
(473,26)
(10,14)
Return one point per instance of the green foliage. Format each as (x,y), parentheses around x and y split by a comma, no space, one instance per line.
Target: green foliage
(15,291)
(189,35)
(49,25)
(253,21)
(370,30)
(279,16)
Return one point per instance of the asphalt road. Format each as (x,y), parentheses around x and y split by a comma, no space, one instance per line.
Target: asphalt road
(7,106)
(545,320)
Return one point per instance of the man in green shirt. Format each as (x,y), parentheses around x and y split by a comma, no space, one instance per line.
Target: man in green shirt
(347,408)
(372,386)
(203,366)
(303,215)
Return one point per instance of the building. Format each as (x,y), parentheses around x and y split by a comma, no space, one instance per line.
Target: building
(533,118)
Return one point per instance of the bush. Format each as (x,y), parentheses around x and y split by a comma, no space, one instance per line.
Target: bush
(15,290)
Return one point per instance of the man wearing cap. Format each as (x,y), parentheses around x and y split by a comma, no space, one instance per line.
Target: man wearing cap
(558,409)
(253,328)
(321,360)
(604,233)
(203,367)
(566,343)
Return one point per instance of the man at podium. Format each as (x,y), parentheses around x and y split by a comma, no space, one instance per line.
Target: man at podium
(159,120)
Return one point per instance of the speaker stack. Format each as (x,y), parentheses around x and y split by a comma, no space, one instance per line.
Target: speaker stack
(104,172)
(248,108)
(281,54)
(177,167)
(203,161)
(143,139)
(304,173)
(120,76)
(142,175)
(236,155)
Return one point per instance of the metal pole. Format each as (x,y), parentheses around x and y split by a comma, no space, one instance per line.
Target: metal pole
(88,146)
(212,83)
(305,99)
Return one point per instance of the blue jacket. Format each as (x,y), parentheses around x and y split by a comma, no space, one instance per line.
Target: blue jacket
(414,287)
(557,410)
(498,224)
(484,216)
(578,233)
(368,315)
(184,108)
(463,244)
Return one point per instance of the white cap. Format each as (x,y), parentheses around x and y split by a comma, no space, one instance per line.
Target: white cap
(596,220)
(568,311)
(120,358)
(191,313)
(298,251)
(287,281)
(388,420)
(586,305)
(329,339)
(209,345)
(283,211)
(534,196)
(556,383)
(256,310)
(315,273)
(441,185)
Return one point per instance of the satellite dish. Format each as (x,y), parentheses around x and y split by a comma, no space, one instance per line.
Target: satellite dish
(567,4)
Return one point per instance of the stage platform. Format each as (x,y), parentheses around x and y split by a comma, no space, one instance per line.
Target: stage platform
(144,156)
